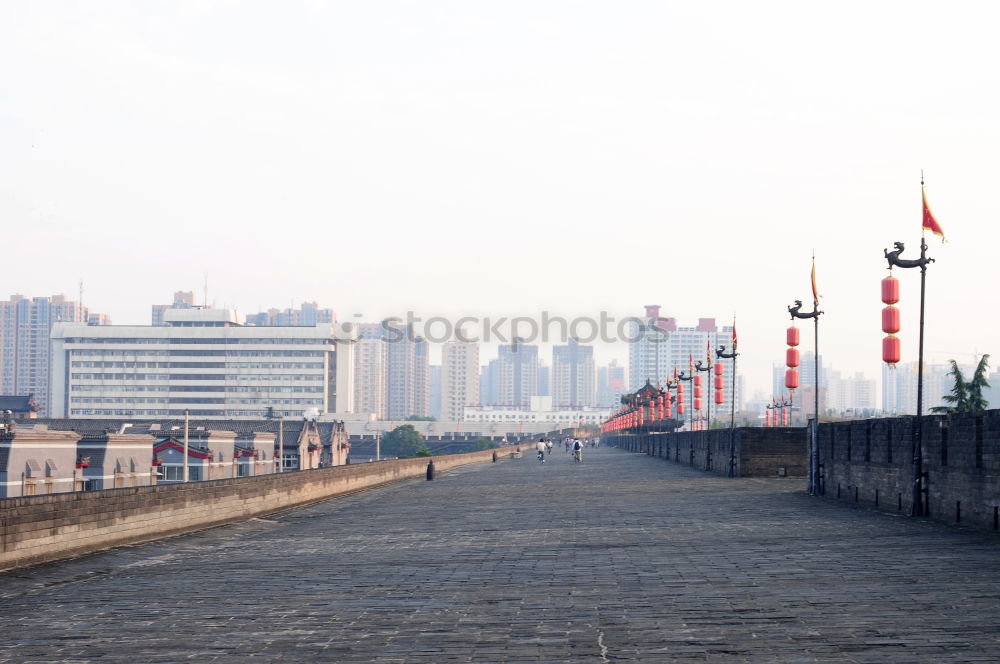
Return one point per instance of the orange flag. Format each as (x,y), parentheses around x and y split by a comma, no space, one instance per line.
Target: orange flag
(929,222)
(812,277)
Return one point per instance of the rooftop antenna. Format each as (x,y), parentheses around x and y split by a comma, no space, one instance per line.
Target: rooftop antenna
(81,300)
(204,303)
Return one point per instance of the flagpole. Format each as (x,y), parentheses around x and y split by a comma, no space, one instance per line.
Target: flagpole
(815,488)
(721,354)
(917,506)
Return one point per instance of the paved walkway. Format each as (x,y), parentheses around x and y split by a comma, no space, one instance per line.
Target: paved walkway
(621,558)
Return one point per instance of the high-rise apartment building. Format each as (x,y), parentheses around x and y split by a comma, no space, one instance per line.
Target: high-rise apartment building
(308,314)
(434,391)
(407,372)
(850,394)
(459,378)
(659,346)
(573,379)
(611,384)
(204,361)
(899,387)
(25,352)
(515,374)
(182,300)
(649,354)
(369,376)
(544,379)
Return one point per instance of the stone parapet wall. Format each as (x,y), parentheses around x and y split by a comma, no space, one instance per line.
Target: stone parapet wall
(870,462)
(759,452)
(42,528)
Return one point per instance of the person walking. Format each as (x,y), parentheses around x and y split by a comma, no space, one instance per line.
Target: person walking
(577,451)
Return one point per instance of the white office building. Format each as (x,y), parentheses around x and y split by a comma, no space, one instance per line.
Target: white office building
(660,346)
(459,378)
(204,361)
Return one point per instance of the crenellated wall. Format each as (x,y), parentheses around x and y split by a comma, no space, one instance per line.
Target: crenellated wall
(870,462)
(37,529)
(759,451)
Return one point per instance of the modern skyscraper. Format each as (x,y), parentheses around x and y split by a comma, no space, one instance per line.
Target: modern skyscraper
(516,374)
(25,329)
(899,387)
(611,384)
(407,372)
(370,360)
(573,380)
(659,346)
(434,391)
(459,378)
(649,355)
(852,394)
(544,379)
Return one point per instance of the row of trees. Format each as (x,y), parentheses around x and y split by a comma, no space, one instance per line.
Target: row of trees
(406,441)
(966,395)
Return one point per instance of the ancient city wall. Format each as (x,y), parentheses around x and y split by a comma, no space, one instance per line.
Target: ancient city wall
(36,529)
(759,452)
(870,462)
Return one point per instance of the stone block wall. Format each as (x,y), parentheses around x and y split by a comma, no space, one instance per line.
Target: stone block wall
(759,452)
(870,462)
(37,529)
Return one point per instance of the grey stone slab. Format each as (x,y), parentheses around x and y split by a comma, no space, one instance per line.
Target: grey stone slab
(621,558)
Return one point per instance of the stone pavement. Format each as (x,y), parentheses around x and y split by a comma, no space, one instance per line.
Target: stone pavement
(621,558)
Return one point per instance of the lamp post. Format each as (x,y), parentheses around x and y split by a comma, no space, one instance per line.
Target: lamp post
(892,257)
(690,379)
(721,354)
(813,442)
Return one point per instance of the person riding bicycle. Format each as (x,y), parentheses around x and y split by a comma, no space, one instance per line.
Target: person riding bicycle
(540,446)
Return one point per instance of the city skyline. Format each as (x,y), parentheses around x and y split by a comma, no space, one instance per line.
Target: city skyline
(371,168)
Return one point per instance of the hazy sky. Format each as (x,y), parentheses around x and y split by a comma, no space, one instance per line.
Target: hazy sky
(505,158)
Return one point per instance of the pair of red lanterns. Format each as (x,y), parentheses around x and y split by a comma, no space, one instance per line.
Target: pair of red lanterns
(890,321)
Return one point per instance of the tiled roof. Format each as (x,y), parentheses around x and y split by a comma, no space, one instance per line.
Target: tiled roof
(243,428)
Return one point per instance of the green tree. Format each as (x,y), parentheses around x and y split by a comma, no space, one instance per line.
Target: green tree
(975,387)
(421,418)
(483,443)
(966,396)
(403,441)
(422,451)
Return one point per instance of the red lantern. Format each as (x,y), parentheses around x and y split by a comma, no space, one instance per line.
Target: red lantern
(697,392)
(667,412)
(890,290)
(792,358)
(890,320)
(792,379)
(890,350)
(719,382)
(792,336)
(767,417)
(719,398)
(697,403)
(719,368)
(784,417)
(697,380)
